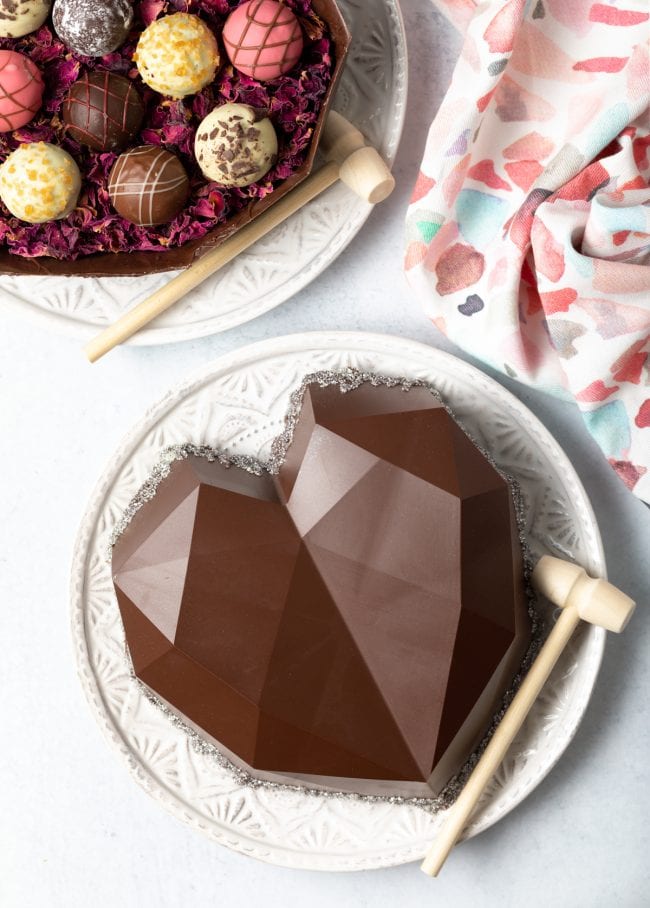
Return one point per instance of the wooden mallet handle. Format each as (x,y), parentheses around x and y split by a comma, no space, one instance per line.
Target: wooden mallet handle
(349,159)
(579,597)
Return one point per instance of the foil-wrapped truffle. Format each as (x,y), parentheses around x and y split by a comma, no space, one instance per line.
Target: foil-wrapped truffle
(177,55)
(21,17)
(39,182)
(92,28)
(236,145)
(263,39)
(21,90)
(148,185)
(103,111)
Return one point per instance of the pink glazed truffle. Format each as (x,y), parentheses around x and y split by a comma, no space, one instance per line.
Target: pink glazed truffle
(263,39)
(21,90)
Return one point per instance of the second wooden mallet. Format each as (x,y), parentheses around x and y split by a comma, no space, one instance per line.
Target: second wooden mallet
(348,159)
(581,598)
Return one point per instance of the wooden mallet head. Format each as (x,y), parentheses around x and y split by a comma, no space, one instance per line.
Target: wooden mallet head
(596,601)
(579,597)
(361,167)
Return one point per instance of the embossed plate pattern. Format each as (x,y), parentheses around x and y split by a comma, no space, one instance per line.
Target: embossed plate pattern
(372,94)
(237,404)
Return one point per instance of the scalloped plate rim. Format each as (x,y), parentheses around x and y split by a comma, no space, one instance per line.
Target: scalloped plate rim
(291,344)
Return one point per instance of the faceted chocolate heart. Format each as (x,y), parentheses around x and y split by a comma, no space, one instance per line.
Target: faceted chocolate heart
(351,622)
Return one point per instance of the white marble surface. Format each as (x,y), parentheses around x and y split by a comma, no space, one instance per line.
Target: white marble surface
(75,831)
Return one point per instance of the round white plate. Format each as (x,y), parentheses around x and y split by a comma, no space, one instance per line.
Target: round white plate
(372,94)
(237,404)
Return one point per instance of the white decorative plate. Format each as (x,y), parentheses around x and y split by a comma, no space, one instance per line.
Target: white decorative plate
(237,404)
(372,94)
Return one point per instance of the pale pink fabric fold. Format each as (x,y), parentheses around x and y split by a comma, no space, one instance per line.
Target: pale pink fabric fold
(529,229)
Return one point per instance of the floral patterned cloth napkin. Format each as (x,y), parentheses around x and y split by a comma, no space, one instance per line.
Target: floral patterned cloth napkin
(529,228)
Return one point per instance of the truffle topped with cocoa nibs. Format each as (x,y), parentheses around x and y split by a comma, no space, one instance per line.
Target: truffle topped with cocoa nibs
(236,145)
(20,17)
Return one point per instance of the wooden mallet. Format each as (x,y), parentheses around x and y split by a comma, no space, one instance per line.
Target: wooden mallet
(581,598)
(348,159)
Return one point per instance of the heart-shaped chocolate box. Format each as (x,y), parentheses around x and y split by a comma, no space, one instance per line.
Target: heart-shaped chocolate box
(349,621)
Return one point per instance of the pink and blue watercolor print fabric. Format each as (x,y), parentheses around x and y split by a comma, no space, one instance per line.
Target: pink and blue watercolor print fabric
(529,228)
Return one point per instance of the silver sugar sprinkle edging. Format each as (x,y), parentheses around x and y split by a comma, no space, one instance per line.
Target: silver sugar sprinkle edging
(348,380)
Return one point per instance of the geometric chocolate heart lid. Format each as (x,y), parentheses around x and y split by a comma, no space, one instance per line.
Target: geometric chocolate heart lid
(348,618)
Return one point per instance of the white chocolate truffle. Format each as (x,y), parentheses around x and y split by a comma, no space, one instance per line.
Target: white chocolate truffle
(177,55)
(235,145)
(21,17)
(39,182)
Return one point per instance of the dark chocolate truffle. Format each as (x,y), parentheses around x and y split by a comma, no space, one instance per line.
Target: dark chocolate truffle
(92,27)
(356,616)
(148,186)
(103,111)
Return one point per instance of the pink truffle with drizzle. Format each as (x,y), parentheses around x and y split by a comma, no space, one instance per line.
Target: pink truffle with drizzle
(263,39)
(21,90)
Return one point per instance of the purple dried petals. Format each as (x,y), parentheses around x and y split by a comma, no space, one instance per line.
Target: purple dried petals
(294,102)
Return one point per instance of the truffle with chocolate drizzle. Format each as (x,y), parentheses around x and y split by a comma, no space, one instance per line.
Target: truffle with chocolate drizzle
(148,185)
(263,39)
(103,111)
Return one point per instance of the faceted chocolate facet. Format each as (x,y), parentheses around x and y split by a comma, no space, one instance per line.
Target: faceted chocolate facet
(351,622)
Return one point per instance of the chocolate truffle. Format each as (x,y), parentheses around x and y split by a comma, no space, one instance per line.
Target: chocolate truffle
(351,621)
(103,111)
(177,55)
(21,90)
(236,145)
(39,182)
(20,17)
(92,28)
(148,186)
(263,39)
